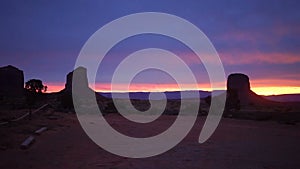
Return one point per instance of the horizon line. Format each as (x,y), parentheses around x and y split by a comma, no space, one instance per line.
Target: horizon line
(106,88)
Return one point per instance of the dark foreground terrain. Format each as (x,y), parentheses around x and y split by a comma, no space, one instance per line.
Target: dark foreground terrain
(236,144)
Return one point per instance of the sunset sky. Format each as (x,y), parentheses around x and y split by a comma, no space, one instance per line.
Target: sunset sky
(260,38)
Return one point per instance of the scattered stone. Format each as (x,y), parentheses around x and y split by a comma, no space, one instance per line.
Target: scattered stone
(27,142)
(53,117)
(3,148)
(39,131)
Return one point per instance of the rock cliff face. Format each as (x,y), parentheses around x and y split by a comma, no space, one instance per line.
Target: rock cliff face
(82,82)
(105,105)
(238,82)
(11,82)
(238,85)
(239,92)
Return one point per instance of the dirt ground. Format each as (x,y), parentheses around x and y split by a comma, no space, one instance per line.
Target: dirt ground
(236,144)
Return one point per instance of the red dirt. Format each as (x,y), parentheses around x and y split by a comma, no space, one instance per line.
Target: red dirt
(236,144)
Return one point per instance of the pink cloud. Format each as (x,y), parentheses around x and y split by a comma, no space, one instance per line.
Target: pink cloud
(235,58)
(274,82)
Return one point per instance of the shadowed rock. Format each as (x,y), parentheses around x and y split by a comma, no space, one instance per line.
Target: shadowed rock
(82,79)
(66,97)
(239,92)
(11,82)
(238,82)
(82,90)
(238,86)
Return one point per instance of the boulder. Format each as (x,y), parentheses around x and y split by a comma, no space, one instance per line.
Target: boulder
(11,82)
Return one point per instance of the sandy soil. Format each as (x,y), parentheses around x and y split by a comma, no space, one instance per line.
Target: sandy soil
(236,144)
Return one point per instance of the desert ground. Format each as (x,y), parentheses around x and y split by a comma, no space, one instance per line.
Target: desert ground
(236,144)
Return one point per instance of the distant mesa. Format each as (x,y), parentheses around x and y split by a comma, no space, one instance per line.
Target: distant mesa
(11,82)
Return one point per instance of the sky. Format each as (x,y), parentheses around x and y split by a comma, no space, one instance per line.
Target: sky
(259,38)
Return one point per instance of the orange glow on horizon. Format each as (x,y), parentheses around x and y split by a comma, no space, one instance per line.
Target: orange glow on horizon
(258,86)
(275,90)
(275,86)
(106,87)
(54,87)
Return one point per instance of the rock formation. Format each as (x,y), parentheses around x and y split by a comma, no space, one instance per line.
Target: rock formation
(11,82)
(239,92)
(82,79)
(82,83)
(238,86)
(238,82)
